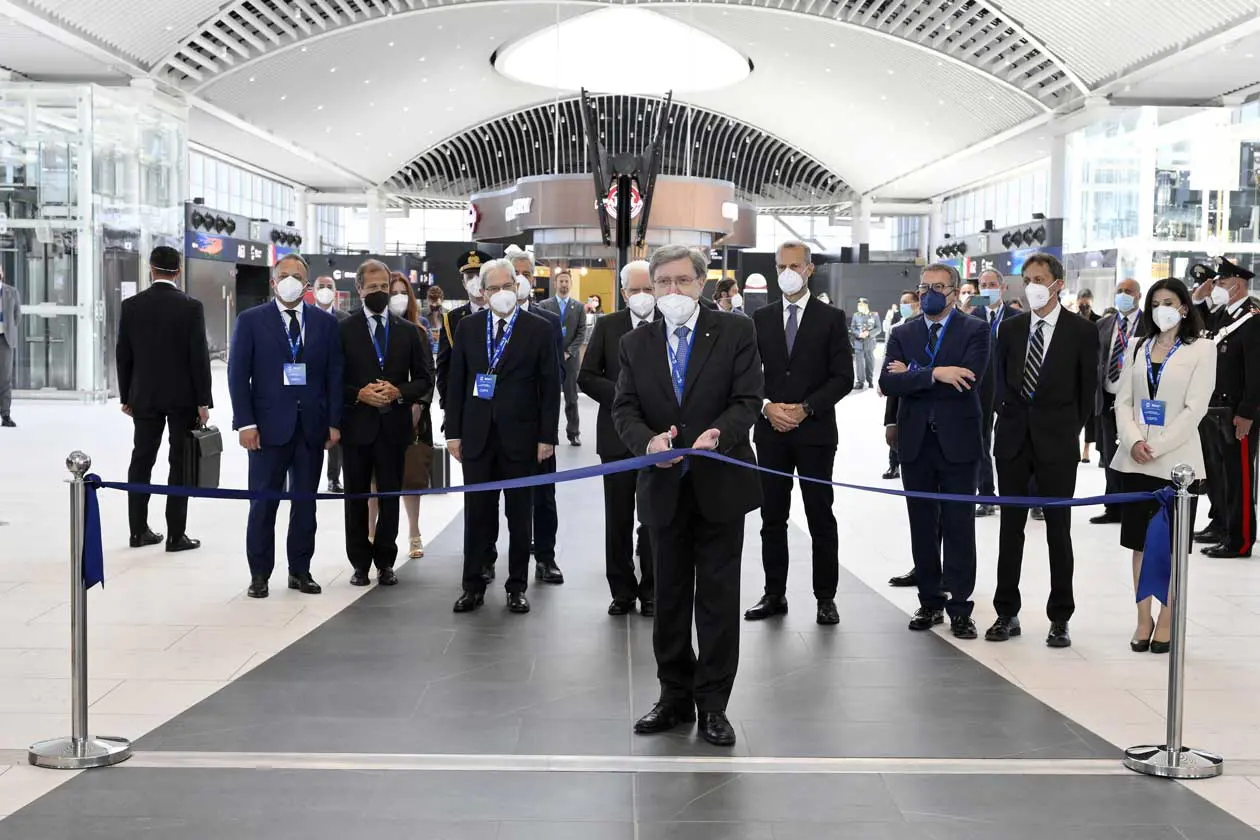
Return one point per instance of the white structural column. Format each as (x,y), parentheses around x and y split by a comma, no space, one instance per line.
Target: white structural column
(376,221)
(935,229)
(861,234)
(89,360)
(1056,187)
(304,216)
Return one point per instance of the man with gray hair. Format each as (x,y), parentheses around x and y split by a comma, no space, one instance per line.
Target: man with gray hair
(692,380)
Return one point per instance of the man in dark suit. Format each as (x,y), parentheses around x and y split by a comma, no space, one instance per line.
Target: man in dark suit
(326,300)
(501,423)
(1049,357)
(163,383)
(935,366)
(808,366)
(692,380)
(1116,333)
(388,368)
(470,269)
(573,325)
(1229,435)
(285,378)
(598,380)
(996,312)
(546,516)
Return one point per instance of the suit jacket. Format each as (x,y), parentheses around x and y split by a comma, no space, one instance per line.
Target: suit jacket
(1106,331)
(1237,358)
(162,355)
(553,319)
(990,390)
(525,410)
(259,352)
(722,391)
(446,336)
(12,307)
(339,314)
(601,367)
(1066,388)
(408,366)
(1186,383)
(892,403)
(572,323)
(921,400)
(819,370)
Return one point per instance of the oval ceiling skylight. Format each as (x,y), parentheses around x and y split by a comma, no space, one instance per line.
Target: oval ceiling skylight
(584,52)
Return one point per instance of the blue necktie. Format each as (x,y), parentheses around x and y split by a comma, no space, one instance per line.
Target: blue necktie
(790,330)
(680,361)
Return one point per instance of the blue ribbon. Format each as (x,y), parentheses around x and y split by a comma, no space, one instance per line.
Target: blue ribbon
(1156,574)
(93,550)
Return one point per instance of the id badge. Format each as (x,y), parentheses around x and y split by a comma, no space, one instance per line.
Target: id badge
(483,387)
(295,374)
(1153,412)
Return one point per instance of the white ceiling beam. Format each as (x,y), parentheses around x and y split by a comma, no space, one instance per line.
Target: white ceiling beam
(1044,76)
(280,22)
(204,60)
(49,28)
(247,36)
(185,68)
(211,48)
(253,21)
(911,17)
(332,13)
(232,43)
(315,17)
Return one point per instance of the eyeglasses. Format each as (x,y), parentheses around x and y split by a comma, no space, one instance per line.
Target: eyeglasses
(681,283)
(935,287)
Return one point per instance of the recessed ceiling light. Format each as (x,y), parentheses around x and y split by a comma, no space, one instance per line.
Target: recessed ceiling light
(391,43)
(940,102)
(448,108)
(425,80)
(367,81)
(284,97)
(885,97)
(439,26)
(891,71)
(992,97)
(832,45)
(303,49)
(406,108)
(1249,55)
(319,107)
(371,104)
(251,78)
(332,69)
(452,90)
(358,134)
(828,69)
(169,27)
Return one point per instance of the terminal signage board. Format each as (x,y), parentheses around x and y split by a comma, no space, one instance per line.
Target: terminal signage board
(209,246)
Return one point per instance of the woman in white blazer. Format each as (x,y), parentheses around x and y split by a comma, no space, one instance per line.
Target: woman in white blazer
(1167,383)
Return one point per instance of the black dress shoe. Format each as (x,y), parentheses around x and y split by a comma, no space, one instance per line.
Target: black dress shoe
(360,578)
(487,572)
(1058,636)
(184,543)
(925,619)
(827,612)
(1211,535)
(1039,514)
(147,538)
(469,601)
(768,605)
(1224,551)
(962,627)
(1004,629)
(647,607)
(891,473)
(334,486)
(7,422)
(387,577)
(548,572)
(1107,517)
(906,580)
(665,715)
(576,440)
(620,607)
(986,510)
(258,587)
(517,602)
(304,584)
(716,729)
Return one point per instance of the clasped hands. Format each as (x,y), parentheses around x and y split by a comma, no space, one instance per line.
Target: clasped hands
(784,417)
(664,441)
(959,377)
(379,393)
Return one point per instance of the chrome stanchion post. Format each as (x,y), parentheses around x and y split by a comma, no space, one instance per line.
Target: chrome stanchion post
(1172,759)
(80,751)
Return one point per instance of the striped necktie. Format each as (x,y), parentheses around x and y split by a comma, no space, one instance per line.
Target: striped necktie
(1032,367)
(1117,351)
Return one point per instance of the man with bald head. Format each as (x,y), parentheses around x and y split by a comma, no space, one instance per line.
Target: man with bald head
(1116,333)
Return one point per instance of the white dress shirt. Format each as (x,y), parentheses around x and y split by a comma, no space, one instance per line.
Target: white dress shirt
(672,337)
(800,311)
(1047,332)
(171,283)
(635,320)
(1134,316)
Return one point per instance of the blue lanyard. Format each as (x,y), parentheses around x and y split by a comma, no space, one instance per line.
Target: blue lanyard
(380,349)
(1151,377)
(997,322)
(564,307)
(295,347)
(495,354)
(679,370)
(940,339)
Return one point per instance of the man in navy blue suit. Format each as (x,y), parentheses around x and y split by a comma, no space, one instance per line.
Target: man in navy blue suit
(935,366)
(285,378)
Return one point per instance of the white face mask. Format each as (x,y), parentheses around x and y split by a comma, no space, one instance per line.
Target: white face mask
(676,308)
(325,296)
(523,289)
(790,282)
(737,302)
(1038,296)
(473,287)
(503,301)
(398,305)
(289,290)
(642,304)
(1220,296)
(1166,317)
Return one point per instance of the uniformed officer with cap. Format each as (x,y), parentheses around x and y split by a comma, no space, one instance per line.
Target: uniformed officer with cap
(470,263)
(1232,319)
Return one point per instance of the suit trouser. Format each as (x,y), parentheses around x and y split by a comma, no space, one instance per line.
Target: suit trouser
(1109,442)
(334,464)
(570,387)
(380,461)
(299,461)
(776,491)
(697,573)
(619,520)
(145,443)
(1056,479)
(481,517)
(1239,458)
(984,468)
(1212,432)
(864,362)
(6,375)
(934,526)
(546,517)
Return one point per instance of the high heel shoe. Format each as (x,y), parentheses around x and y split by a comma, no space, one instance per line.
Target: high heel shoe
(417,549)
(1160,647)
(1142,645)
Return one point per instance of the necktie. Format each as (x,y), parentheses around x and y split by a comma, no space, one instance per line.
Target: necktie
(642,323)
(934,339)
(380,325)
(295,330)
(498,332)
(1117,351)
(1032,367)
(789,331)
(680,361)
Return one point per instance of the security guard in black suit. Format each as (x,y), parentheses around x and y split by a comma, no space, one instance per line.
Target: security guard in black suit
(470,265)
(1229,435)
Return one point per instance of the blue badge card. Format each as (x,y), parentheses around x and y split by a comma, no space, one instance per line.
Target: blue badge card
(295,374)
(483,388)
(1153,412)
(913,366)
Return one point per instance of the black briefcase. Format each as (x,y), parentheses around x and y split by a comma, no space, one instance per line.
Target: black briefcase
(440,468)
(202,453)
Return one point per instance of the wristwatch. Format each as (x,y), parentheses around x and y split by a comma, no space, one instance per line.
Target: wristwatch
(809,411)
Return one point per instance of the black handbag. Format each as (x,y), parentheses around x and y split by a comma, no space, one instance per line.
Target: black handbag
(202,453)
